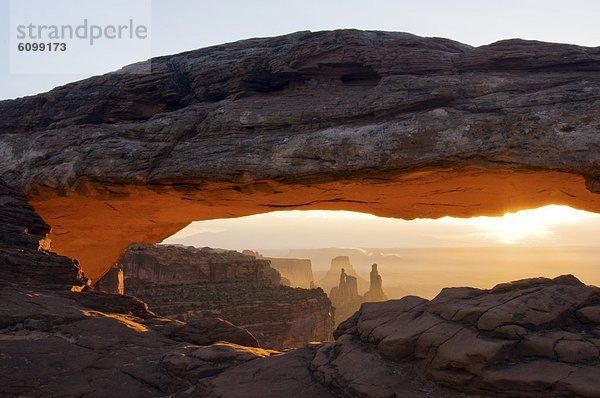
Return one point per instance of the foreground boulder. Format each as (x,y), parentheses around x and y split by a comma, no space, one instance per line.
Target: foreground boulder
(535,337)
(71,344)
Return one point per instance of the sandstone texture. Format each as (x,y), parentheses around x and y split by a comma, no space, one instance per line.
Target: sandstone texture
(112,282)
(184,264)
(190,284)
(382,122)
(73,344)
(523,339)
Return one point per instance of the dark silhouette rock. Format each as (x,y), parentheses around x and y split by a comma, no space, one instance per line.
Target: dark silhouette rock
(345,297)
(375,292)
(332,277)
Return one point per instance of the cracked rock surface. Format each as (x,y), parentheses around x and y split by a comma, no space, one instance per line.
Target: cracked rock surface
(527,338)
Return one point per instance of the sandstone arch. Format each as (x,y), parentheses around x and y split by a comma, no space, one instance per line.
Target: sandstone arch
(386,123)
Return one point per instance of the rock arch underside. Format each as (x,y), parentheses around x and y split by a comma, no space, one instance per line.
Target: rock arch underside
(386,123)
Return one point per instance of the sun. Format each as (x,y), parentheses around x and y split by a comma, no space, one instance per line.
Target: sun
(523,225)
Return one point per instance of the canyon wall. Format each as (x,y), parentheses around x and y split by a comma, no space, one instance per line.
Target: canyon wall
(297,271)
(190,284)
(174,263)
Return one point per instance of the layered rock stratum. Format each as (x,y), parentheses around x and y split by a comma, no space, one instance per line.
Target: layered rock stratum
(381,122)
(297,271)
(190,284)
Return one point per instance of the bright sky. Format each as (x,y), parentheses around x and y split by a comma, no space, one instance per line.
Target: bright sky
(545,226)
(179,25)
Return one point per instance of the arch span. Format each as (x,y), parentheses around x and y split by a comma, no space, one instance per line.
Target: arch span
(381,122)
(97,229)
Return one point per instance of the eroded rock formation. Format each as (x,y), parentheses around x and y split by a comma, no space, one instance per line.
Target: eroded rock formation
(332,277)
(57,338)
(345,297)
(187,264)
(375,292)
(190,284)
(386,123)
(297,271)
(25,256)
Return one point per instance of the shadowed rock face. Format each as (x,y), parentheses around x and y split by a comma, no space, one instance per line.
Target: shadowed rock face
(387,123)
(25,256)
(59,339)
(186,264)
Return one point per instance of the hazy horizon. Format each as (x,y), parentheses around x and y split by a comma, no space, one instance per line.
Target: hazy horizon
(419,257)
(424,272)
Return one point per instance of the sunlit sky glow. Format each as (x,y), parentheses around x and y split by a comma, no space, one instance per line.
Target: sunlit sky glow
(546,226)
